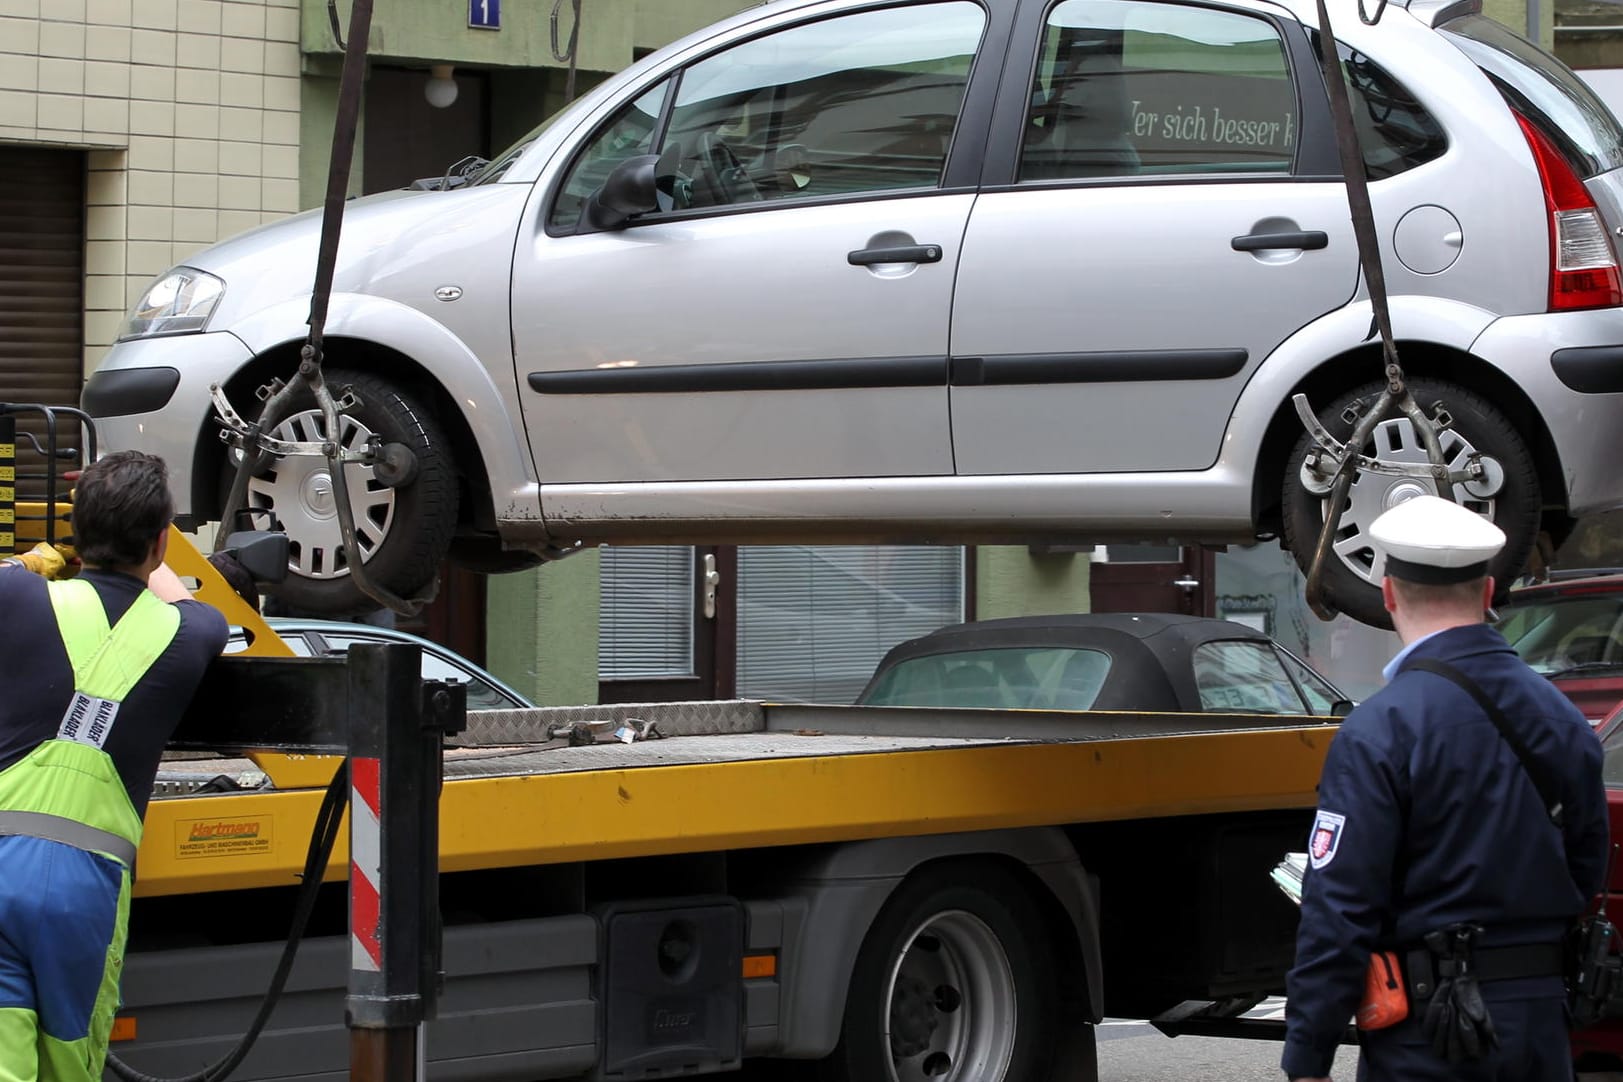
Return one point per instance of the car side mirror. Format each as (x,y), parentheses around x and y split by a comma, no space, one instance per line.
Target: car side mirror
(1341,708)
(262,553)
(628,192)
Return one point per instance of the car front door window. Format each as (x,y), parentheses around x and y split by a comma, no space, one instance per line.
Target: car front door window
(861,103)
(628,133)
(1243,678)
(1321,697)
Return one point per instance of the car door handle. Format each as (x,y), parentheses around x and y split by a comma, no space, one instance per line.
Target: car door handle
(1311,240)
(910,253)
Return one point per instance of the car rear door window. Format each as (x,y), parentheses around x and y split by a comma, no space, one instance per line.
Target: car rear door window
(859,103)
(1243,678)
(1127,88)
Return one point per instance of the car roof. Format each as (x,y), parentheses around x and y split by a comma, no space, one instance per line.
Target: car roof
(1150,652)
(1584,580)
(1064,629)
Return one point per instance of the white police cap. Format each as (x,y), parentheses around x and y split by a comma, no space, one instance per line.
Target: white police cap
(1427,539)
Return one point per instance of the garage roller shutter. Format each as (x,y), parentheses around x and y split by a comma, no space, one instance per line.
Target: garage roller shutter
(42,200)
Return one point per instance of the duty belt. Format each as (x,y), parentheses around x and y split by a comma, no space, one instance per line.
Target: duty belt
(55,828)
(1487,964)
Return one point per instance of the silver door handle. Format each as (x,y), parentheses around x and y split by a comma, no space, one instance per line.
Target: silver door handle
(712,579)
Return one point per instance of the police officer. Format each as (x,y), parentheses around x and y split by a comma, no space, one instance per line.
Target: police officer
(1432,840)
(97,671)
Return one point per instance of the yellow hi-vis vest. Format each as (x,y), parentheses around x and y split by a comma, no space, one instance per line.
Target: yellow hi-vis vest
(67,789)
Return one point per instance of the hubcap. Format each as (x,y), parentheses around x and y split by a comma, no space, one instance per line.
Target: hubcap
(299,491)
(1395,440)
(950,1005)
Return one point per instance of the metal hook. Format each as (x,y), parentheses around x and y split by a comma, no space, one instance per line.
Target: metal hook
(337,31)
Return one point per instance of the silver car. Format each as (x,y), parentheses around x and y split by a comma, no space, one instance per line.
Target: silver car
(953,270)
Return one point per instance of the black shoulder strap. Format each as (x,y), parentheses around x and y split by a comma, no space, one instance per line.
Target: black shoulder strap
(1549,790)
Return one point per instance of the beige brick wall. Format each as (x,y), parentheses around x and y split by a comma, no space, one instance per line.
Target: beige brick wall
(189,110)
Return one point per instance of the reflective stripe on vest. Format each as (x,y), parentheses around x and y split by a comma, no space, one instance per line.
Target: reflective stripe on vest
(55,828)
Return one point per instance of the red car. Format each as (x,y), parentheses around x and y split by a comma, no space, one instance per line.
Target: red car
(1600,1047)
(1571,630)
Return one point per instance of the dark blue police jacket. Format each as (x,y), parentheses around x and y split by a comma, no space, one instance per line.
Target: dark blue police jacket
(1426,817)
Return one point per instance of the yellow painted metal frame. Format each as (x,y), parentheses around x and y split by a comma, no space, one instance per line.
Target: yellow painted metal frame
(232,842)
(257,840)
(184,559)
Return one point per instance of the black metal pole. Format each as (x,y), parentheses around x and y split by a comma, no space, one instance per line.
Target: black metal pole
(394,860)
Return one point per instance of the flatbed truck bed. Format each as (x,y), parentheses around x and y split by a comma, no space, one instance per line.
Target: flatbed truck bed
(1139,845)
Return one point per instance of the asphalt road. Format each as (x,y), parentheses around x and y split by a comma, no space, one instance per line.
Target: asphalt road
(1135,1052)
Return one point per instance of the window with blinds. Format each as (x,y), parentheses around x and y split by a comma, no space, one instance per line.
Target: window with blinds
(42,238)
(813,622)
(645,612)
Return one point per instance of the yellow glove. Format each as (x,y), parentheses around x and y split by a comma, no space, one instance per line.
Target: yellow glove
(45,560)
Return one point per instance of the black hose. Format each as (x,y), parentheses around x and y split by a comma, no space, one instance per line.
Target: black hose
(328,820)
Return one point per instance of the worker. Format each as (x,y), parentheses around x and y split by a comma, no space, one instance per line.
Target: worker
(84,715)
(1433,841)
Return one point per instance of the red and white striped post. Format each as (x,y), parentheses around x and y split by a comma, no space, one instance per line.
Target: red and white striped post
(396,729)
(365,864)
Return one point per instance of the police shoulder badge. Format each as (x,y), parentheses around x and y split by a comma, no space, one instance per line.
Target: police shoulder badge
(1326,837)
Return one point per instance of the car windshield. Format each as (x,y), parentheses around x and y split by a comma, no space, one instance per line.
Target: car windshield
(502,162)
(1041,678)
(1566,634)
(1539,85)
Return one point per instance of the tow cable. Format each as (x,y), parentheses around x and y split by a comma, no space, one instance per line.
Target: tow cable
(393,463)
(1330,466)
(328,820)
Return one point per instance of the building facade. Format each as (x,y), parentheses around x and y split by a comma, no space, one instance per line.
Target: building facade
(133,132)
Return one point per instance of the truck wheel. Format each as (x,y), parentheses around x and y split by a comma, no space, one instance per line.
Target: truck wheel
(1508,496)
(403,532)
(954,983)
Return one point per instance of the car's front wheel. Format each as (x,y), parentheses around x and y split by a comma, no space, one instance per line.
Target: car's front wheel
(1507,494)
(403,531)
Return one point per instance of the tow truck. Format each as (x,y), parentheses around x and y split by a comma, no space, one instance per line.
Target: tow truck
(664,890)
(657,891)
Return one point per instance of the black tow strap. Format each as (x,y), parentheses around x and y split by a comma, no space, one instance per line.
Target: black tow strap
(1358,201)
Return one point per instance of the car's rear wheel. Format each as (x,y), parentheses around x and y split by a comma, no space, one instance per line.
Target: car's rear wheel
(1508,495)
(403,531)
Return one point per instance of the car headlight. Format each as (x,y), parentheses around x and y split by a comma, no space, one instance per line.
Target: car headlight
(180,302)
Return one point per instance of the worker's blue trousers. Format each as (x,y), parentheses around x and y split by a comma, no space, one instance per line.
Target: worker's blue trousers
(1532,1048)
(63,914)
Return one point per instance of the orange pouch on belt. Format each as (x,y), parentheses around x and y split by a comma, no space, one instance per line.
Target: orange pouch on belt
(1386,1000)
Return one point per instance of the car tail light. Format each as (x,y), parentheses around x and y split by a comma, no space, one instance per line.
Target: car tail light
(1583,267)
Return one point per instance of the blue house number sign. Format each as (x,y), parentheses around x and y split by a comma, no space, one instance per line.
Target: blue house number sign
(485,14)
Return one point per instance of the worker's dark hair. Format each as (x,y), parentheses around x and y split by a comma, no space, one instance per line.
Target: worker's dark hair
(120,506)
